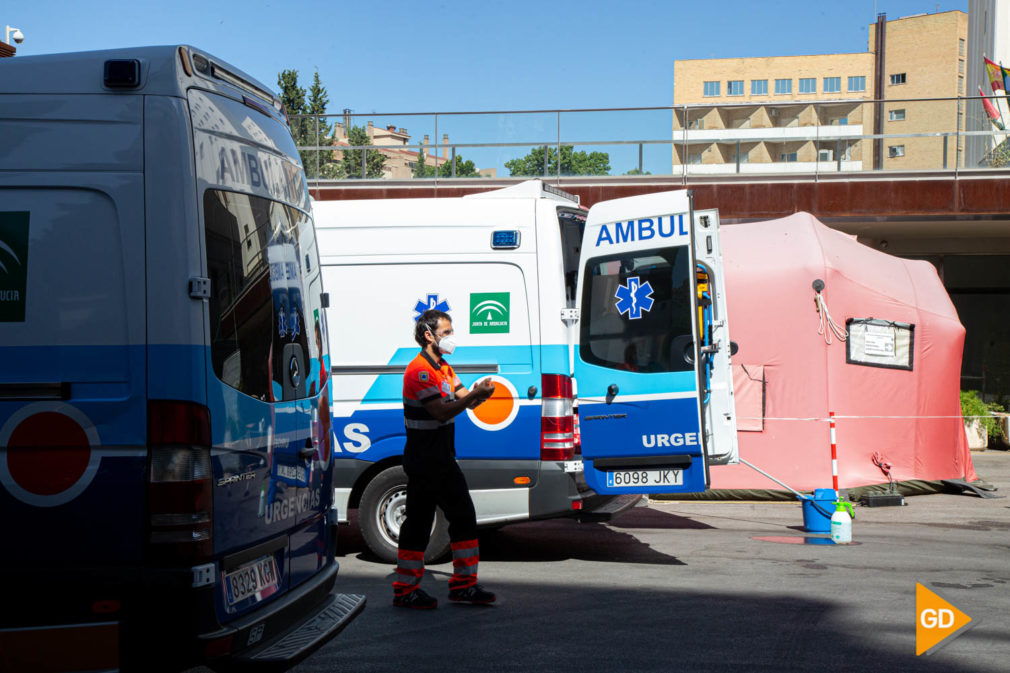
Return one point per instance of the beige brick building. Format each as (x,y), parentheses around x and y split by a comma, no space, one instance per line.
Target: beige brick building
(785,114)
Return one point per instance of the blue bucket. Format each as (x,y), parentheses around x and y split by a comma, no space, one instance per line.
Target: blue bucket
(818,519)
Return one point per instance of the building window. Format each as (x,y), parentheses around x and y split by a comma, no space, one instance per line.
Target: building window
(711,88)
(960,84)
(696,124)
(808,85)
(825,155)
(896,115)
(832,84)
(694,158)
(960,47)
(895,151)
(898,78)
(759,87)
(734,87)
(787,156)
(783,86)
(960,65)
(857,83)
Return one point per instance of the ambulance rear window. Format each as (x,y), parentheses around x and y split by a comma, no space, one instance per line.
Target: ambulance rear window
(266,337)
(636,311)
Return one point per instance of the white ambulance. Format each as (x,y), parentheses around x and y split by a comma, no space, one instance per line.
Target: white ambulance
(622,302)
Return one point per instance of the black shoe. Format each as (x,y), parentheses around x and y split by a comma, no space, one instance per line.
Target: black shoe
(474,595)
(418,600)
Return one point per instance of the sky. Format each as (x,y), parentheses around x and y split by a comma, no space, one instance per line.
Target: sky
(429,56)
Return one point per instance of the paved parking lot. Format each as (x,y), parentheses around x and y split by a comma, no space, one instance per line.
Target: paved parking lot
(685,586)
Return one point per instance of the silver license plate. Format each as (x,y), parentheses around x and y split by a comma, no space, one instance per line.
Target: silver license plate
(256,578)
(645,478)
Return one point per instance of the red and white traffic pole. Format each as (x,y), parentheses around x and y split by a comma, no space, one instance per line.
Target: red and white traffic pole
(834,452)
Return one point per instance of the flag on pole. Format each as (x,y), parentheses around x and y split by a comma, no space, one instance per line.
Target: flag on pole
(996,74)
(991,110)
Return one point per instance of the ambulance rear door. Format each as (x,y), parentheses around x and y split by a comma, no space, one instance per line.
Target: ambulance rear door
(635,359)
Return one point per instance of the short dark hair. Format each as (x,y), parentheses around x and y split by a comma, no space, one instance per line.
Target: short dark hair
(428,322)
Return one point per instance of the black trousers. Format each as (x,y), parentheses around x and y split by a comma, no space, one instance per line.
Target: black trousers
(436,485)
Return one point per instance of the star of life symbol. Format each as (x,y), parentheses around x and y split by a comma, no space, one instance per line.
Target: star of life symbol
(431,301)
(634,298)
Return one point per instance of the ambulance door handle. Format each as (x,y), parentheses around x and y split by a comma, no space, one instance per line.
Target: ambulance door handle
(612,391)
(308,451)
(531,392)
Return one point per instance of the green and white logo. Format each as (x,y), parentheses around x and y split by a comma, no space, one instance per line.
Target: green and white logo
(489,313)
(13,266)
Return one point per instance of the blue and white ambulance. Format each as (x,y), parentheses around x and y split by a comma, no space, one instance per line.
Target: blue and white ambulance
(165,445)
(623,303)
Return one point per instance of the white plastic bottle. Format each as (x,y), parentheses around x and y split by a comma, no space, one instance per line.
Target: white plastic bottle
(841,523)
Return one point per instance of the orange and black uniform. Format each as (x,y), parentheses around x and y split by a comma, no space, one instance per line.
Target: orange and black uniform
(433,479)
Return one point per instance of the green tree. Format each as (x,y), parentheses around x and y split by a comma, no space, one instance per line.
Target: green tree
(308,127)
(374,161)
(572,162)
(421,170)
(637,171)
(464,168)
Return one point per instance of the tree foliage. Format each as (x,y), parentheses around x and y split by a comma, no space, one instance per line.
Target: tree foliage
(374,161)
(465,168)
(309,131)
(572,162)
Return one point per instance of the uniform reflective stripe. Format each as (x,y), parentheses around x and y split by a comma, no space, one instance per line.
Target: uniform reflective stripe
(465,566)
(412,403)
(464,544)
(465,553)
(410,563)
(431,391)
(461,582)
(414,424)
(410,575)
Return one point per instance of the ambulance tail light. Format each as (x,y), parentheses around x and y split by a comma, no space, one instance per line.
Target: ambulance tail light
(557,420)
(179,477)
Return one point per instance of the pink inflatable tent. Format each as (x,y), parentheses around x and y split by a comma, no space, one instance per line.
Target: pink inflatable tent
(893,386)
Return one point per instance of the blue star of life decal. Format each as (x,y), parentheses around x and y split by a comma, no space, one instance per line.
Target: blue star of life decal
(431,301)
(634,298)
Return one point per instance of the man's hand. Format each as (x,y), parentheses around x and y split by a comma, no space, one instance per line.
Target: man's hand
(480,393)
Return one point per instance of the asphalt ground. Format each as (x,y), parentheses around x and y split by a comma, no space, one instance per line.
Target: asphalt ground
(686,586)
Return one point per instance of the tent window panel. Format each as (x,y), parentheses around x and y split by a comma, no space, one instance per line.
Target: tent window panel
(749,396)
(879,343)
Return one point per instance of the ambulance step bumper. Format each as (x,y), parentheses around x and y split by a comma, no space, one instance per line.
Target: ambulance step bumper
(305,638)
(604,507)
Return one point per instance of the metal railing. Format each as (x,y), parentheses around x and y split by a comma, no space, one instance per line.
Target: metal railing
(766,138)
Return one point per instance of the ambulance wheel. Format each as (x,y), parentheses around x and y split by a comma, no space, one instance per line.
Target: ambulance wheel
(382,510)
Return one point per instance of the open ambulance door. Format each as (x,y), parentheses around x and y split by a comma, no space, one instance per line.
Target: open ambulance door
(718,405)
(637,360)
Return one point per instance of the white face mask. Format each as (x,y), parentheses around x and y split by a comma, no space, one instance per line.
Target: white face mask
(447,344)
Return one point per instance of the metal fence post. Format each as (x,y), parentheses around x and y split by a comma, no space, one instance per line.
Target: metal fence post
(838,159)
(738,155)
(546,150)
(453,162)
(640,171)
(945,137)
(317,145)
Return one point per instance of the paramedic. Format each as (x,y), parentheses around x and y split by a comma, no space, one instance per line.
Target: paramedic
(432,397)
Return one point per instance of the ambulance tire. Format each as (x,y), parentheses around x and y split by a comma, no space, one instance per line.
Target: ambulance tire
(381,510)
